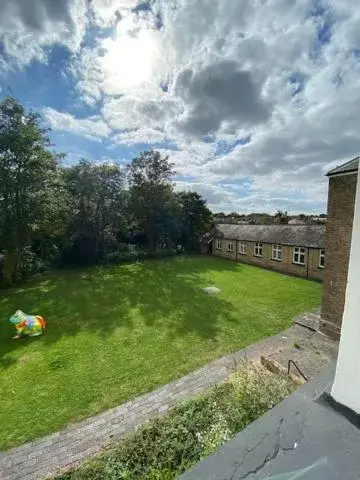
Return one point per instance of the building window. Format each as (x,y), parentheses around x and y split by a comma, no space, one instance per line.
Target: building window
(258,250)
(242,248)
(299,255)
(230,247)
(219,245)
(322,258)
(277,252)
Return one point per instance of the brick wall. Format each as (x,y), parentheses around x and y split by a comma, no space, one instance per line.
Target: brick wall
(310,270)
(341,201)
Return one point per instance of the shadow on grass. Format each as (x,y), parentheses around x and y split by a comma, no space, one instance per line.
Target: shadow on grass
(167,292)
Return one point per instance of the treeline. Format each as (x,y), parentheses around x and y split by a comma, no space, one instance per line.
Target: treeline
(53,215)
(278,218)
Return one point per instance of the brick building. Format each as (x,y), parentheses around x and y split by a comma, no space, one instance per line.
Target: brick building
(293,249)
(341,201)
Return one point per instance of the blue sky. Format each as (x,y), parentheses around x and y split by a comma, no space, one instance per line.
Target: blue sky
(253,101)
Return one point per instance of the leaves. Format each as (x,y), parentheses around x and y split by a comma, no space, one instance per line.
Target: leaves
(96,209)
(84,214)
(26,171)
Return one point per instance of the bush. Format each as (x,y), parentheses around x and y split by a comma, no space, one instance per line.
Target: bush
(170,445)
(30,263)
(131,253)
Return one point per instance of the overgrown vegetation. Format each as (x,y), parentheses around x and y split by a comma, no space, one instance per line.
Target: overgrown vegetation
(52,215)
(170,445)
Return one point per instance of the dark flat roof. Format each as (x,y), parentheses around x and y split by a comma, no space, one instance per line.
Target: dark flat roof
(349,167)
(303,438)
(312,236)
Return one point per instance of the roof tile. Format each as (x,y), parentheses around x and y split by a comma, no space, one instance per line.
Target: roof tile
(304,236)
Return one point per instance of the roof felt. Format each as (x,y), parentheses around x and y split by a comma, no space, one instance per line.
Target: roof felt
(297,235)
(348,167)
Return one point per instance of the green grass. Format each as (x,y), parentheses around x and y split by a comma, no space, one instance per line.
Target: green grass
(114,333)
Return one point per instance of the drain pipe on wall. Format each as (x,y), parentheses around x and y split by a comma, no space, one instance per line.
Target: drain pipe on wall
(236,251)
(307,263)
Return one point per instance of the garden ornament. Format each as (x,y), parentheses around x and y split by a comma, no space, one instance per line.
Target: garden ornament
(27,325)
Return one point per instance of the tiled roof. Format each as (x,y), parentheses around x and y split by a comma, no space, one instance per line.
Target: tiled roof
(297,235)
(348,167)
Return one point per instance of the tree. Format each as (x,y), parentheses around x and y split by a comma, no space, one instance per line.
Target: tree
(52,214)
(195,219)
(27,172)
(281,217)
(151,193)
(49,234)
(95,196)
(259,219)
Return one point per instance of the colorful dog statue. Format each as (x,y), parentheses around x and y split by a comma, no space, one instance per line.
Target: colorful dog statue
(27,325)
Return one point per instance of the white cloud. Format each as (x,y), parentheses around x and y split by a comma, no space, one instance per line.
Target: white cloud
(93,128)
(130,112)
(230,198)
(216,195)
(107,12)
(141,135)
(27,28)
(284,74)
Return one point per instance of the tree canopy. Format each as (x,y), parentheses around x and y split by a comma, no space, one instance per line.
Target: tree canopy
(53,215)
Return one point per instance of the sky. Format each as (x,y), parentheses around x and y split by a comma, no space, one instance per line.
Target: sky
(253,100)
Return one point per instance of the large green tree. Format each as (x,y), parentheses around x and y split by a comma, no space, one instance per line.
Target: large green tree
(195,219)
(97,201)
(51,214)
(151,194)
(27,172)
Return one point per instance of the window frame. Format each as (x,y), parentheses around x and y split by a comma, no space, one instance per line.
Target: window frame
(232,247)
(218,242)
(276,252)
(242,247)
(299,251)
(258,247)
(322,257)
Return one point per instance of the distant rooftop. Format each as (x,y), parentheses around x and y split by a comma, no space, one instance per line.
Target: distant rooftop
(349,167)
(312,236)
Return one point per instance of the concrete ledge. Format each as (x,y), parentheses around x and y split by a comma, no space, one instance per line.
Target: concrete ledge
(301,438)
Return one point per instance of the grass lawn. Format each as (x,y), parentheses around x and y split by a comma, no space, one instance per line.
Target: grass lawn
(114,333)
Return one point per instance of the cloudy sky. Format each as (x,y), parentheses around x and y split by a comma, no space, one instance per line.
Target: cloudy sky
(254,100)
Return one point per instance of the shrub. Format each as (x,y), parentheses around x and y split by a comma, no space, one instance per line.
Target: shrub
(30,263)
(169,445)
(131,253)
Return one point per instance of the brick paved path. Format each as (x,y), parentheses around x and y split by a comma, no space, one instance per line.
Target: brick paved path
(69,447)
